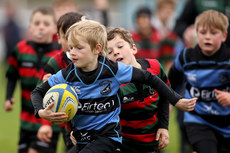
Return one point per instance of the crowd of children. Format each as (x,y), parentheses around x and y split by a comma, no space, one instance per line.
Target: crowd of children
(106,66)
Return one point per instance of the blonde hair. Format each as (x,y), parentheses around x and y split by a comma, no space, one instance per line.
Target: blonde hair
(124,34)
(212,18)
(161,3)
(93,32)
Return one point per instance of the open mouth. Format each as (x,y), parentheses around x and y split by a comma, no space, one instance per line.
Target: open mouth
(74,59)
(207,44)
(119,59)
(40,35)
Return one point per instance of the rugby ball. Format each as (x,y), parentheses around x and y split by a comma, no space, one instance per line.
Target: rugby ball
(65,100)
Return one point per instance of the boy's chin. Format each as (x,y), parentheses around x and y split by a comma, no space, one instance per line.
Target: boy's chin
(208,52)
(41,41)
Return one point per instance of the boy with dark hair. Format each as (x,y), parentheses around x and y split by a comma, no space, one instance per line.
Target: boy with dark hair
(149,42)
(144,114)
(55,64)
(26,64)
(206,69)
(97,80)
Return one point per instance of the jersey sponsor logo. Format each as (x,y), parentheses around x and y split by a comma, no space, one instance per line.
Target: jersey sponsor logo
(95,107)
(212,4)
(105,87)
(27,64)
(205,94)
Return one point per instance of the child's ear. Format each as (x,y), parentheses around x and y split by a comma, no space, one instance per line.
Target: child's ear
(134,48)
(58,37)
(225,37)
(98,48)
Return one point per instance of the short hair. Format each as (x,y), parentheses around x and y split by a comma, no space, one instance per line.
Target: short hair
(161,3)
(143,11)
(68,19)
(92,31)
(124,34)
(212,18)
(44,10)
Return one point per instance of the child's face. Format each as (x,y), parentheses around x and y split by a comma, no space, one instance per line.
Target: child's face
(143,22)
(82,55)
(42,28)
(210,39)
(165,12)
(119,50)
(63,41)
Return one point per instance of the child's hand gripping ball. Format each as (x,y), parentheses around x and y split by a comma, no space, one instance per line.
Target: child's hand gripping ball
(64,98)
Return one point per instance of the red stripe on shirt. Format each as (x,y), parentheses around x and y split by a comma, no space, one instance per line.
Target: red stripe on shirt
(28,117)
(142,138)
(23,47)
(154,66)
(27,72)
(137,104)
(51,54)
(140,123)
(26,94)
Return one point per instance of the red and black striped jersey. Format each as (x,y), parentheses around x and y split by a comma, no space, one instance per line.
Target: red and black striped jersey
(142,109)
(26,64)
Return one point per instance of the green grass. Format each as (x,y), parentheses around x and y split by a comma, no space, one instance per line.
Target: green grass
(9,127)
(174,141)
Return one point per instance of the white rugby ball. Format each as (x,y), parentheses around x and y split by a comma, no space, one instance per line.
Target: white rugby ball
(65,99)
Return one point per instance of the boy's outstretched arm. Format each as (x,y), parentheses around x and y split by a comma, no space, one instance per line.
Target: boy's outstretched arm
(164,90)
(11,84)
(47,113)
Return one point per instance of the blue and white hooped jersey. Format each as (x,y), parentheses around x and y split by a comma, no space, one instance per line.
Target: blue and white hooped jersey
(204,74)
(99,104)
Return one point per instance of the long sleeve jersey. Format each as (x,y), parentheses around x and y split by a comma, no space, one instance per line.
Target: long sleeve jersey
(143,110)
(202,75)
(26,64)
(99,102)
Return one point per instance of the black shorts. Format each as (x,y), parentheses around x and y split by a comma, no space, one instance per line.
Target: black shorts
(28,139)
(100,144)
(203,137)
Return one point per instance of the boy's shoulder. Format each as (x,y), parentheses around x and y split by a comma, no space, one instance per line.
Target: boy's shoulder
(151,65)
(24,46)
(59,61)
(67,71)
(22,43)
(195,54)
(190,54)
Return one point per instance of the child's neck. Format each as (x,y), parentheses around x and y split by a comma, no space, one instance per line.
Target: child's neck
(90,67)
(136,65)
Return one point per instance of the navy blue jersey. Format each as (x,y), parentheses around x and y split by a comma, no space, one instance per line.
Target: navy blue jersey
(204,74)
(99,103)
